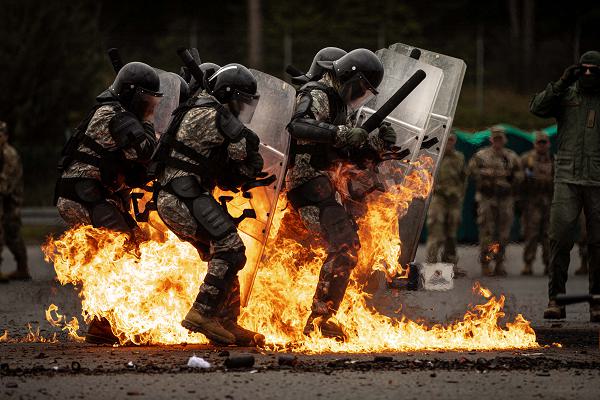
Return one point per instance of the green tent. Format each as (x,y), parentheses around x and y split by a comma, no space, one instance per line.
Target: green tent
(468,143)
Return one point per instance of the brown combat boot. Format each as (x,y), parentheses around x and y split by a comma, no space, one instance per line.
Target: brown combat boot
(99,332)
(243,337)
(3,278)
(459,272)
(211,327)
(328,328)
(554,311)
(527,270)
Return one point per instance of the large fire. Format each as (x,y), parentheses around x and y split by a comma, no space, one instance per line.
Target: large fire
(145,291)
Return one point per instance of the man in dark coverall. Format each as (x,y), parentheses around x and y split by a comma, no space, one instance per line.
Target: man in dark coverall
(574,100)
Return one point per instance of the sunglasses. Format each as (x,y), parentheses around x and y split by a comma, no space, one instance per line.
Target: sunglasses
(594,69)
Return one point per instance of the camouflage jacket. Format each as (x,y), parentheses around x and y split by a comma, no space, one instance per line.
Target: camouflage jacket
(496,174)
(198,131)
(538,174)
(11,176)
(98,130)
(302,170)
(451,176)
(577,114)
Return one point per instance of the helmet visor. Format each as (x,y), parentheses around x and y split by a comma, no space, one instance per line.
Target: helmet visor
(357,92)
(243,105)
(144,103)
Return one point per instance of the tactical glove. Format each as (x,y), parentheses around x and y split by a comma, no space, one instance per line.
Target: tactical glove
(569,76)
(357,137)
(387,133)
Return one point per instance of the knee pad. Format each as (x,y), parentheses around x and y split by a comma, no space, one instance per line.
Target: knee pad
(107,215)
(339,228)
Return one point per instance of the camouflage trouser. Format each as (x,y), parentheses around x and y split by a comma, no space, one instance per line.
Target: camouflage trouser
(536,218)
(325,217)
(11,229)
(219,293)
(582,241)
(443,219)
(567,204)
(494,219)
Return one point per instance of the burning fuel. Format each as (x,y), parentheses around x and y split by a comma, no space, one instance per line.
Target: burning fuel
(145,291)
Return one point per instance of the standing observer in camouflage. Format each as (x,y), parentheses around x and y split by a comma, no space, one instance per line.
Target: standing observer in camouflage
(574,100)
(320,130)
(536,195)
(11,191)
(444,215)
(497,174)
(106,157)
(207,146)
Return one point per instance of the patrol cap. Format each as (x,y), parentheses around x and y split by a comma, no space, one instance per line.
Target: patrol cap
(497,132)
(541,136)
(590,57)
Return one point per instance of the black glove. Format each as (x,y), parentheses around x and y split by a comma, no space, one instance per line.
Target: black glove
(252,141)
(255,162)
(569,76)
(387,133)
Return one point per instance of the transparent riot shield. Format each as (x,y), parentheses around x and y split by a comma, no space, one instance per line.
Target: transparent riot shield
(169,86)
(411,117)
(434,140)
(273,113)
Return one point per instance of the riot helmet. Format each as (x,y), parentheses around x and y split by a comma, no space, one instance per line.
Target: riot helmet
(208,69)
(235,86)
(358,74)
(137,86)
(322,61)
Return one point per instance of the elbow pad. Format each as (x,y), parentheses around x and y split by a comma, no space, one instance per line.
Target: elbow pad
(126,130)
(312,130)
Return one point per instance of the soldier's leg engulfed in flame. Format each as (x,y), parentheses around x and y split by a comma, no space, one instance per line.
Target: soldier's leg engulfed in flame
(84,202)
(582,245)
(322,214)
(210,229)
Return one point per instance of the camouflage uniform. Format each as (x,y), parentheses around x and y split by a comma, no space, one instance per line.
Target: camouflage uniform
(312,194)
(537,197)
(11,188)
(496,174)
(219,294)
(116,189)
(582,247)
(444,214)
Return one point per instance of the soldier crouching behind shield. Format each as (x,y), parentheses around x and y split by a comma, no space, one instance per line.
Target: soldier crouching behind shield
(106,158)
(207,145)
(319,128)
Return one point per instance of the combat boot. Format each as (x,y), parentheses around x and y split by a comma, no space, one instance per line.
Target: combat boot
(211,327)
(595,312)
(243,337)
(99,332)
(459,272)
(554,311)
(499,270)
(3,278)
(486,270)
(328,328)
(527,270)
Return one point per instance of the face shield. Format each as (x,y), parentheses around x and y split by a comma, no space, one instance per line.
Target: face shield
(144,103)
(357,92)
(243,105)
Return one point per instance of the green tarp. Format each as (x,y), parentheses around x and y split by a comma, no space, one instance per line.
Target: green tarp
(468,143)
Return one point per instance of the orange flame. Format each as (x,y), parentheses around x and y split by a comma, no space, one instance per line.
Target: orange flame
(71,327)
(145,291)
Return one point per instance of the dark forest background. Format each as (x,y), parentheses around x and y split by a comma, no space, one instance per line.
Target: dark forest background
(53,54)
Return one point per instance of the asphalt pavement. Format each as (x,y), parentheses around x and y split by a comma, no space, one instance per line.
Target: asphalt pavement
(74,370)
